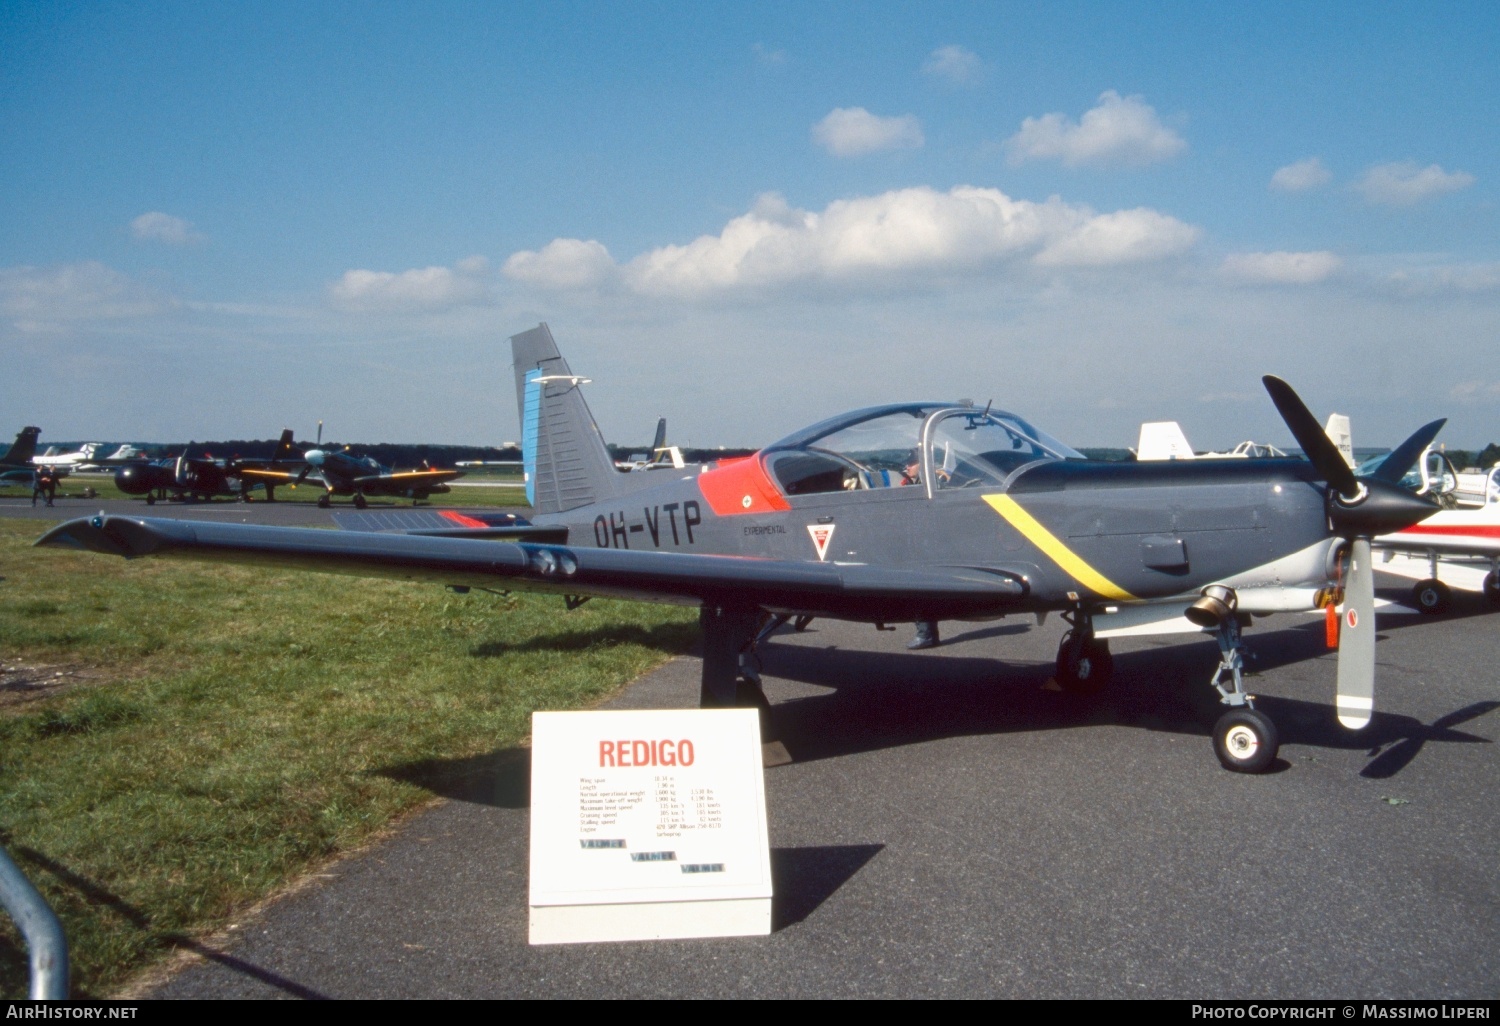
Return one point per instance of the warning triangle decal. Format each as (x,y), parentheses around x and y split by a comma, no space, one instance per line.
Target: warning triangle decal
(821,534)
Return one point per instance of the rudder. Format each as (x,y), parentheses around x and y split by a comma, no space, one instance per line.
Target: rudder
(24,448)
(567,464)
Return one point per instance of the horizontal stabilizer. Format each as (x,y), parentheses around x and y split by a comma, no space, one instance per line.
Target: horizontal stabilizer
(447,523)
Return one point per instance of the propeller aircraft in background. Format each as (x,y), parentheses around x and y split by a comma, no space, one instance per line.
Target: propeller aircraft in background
(202,478)
(340,473)
(899,513)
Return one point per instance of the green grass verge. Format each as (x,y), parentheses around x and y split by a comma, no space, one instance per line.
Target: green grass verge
(478,488)
(219,731)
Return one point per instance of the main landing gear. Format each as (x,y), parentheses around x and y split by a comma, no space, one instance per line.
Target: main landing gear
(731,676)
(1432,596)
(1084,664)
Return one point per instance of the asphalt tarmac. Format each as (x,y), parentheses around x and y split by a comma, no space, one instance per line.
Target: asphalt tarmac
(951,827)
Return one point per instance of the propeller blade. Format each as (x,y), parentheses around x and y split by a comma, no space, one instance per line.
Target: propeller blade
(1356,674)
(306,469)
(1309,434)
(1394,467)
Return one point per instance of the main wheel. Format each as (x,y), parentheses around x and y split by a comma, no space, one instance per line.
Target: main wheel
(324,501)
(1431,596)
(150,500)
(1492,587)
(1245,741)
(1085,670)
(359,501)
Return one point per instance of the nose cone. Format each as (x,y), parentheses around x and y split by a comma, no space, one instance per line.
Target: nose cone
(1386,508)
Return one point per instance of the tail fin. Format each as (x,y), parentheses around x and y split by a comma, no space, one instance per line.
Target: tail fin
(1337,430)
(1163,440)
(286,449)
(567,464)
(24,448)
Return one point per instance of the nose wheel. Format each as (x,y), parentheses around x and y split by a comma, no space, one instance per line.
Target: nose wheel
(1245,741)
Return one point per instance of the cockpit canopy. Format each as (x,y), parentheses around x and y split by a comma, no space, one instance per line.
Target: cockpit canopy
(944,444)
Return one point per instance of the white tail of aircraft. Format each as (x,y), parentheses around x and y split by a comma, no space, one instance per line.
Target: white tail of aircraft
(1337,430)
(1163,440)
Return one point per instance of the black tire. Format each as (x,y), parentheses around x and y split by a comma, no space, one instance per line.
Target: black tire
(324,501)
(359,501)
(1492,587)
(150,500)
(1085,671)
(1245,741)
(1431,596)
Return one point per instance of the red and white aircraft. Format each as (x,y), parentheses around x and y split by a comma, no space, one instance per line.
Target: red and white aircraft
(1466,533)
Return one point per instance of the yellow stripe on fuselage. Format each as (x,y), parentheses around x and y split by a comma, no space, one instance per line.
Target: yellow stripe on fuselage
(1056,551)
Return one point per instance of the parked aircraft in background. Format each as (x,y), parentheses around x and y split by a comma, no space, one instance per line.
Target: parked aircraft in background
(1457,533)
(340,473)
(899,513)
(203,478)
(1164,440)
(21,451)
(181,477)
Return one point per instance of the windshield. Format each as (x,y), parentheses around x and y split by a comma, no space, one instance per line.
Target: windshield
(889,447)
(970,448)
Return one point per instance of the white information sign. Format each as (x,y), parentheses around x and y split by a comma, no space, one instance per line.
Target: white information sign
(647,825)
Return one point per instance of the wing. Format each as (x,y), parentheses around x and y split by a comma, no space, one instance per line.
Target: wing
(274,476)
(847,591)
(409,478)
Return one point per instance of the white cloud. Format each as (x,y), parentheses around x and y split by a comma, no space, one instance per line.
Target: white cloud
(1475,391)
(43,299)
(1120,131)
(426,288)
(854,131)
(1281,268)
(156,226)
(1404,183)
(870,238)
(562,264)
(1448,278)
(1124,237)
(765,55)
(954,65)
(1301,176)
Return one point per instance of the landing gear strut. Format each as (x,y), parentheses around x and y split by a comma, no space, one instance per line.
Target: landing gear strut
(1492,582)
(1432,596)
(1244,738)
(730,677)
(1084,664)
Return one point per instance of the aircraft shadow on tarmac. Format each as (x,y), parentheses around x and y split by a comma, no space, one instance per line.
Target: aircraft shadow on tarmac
(879,700)
(88,891)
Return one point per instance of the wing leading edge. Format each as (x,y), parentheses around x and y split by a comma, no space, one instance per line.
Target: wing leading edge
(849,591)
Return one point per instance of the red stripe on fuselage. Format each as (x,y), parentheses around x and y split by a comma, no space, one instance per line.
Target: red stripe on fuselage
(740,486)
(1455,530)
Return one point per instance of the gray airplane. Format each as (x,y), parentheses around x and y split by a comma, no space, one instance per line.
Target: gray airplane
(18,456)
(900,513)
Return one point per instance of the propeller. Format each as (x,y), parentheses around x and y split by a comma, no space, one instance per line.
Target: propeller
(1358,510)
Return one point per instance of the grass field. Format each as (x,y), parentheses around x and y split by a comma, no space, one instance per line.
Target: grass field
(490,487)
(178,741)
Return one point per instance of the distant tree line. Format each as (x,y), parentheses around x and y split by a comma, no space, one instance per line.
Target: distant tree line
(406,456)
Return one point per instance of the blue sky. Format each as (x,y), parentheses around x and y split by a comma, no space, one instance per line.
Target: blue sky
(225,219)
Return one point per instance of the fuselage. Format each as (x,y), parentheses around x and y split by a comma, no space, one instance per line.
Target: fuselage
(1075,530)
